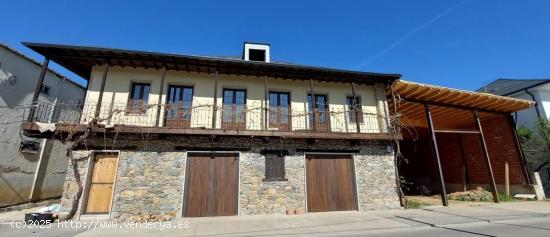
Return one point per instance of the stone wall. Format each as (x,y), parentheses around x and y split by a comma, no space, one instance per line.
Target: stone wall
(376,179)
(260,197)
(150,184)
(70,188)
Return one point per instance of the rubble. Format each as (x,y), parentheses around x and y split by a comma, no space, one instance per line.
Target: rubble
(476,195)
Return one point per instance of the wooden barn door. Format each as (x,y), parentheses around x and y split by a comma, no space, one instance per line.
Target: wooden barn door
(212,185)
(330,183)
(102,183)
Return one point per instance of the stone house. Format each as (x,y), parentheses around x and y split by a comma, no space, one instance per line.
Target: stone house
(165,135)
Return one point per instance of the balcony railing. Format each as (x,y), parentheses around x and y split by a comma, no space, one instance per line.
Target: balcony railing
(337,119)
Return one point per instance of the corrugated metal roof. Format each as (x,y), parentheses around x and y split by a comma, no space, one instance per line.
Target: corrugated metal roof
(509,86)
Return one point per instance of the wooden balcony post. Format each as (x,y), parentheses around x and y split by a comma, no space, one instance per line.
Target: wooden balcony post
(519,149)
(214,110)
(38,88)
(101,90)
(435,152)
(485,152)
(466,178)
(313,103)
(355,107)
(266,96)
(159,107)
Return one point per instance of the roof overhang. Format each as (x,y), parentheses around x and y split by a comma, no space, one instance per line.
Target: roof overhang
(81,59)
(451,108)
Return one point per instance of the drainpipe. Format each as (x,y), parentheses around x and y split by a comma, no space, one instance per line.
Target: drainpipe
(536,103)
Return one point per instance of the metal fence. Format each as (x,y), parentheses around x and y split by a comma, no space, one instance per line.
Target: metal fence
(334,118)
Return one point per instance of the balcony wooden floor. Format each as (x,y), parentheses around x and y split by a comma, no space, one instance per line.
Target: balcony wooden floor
(31,129)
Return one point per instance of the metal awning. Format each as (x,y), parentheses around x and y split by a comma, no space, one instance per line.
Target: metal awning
(80,60)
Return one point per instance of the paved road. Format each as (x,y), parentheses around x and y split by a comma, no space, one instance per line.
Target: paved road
(508,219)
(536,226)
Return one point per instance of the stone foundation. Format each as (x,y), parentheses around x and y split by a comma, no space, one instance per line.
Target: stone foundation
(150,184)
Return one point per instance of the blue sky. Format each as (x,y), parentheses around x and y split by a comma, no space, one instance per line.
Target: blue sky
(456,43)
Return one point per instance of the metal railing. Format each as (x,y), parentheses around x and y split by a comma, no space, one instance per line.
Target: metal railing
(335,118)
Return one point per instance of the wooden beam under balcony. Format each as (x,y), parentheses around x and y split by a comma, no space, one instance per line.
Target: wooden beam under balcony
(32,130)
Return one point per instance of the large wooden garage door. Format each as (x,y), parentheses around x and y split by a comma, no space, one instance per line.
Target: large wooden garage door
(330,183)
(212,185)
(102,183)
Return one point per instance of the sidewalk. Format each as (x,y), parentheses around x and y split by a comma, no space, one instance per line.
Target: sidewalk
(432,220)
(342,223)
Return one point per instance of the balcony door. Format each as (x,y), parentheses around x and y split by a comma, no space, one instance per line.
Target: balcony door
(319,115)
(234,109)
(279,111)
(179,106)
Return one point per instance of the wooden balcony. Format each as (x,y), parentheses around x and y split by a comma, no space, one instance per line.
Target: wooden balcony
(209,120)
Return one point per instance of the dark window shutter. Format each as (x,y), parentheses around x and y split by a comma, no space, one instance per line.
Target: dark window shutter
(274,167)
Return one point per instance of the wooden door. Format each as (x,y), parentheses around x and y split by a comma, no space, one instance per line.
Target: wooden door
(234,109)
(179,106)
(211,185)
(279,111)
(330,183)
(319,112)
(101,183)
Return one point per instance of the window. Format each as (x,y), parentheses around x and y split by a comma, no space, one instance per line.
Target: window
(274,167)
(139,96)
(180,102)
(256,55)
(279,110)
(321,112)
(45,90)
(234,109)
(352,105)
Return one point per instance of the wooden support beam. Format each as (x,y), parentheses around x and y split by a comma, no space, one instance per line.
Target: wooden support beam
(492,183)
(266,96)
(161,90)
(464,163)
(38,88)
(101,90)
(313,103)
(355,108)
(519,149)
(435,152)
(458,131)
(215,106)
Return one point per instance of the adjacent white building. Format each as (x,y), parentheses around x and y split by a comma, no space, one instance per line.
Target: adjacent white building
(535,90)
(30,169)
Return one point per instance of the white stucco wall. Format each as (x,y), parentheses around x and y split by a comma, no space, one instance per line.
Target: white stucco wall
(544,97)
(528,117)
(17,169)
(120,79)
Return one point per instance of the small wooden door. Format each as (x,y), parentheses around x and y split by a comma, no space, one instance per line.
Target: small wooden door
(101,183)
(330,183)
(212,185)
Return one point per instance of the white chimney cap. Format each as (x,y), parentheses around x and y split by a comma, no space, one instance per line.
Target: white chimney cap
(256,52)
